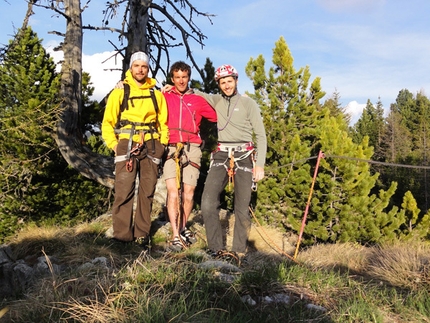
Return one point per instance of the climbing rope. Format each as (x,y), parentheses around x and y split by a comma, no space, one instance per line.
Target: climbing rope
(231,172)
(268,237)
(177,158)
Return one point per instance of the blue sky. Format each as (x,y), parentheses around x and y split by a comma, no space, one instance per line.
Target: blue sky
(363,49)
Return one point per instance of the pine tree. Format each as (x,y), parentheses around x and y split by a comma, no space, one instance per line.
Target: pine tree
(37,183)
(290,109)
(91,118)
(208,85)
(344,199)
(405,105)
(335,108)
(380,125)
(298,127)
(396,138)
(283,96)
(371,124)
(406,142)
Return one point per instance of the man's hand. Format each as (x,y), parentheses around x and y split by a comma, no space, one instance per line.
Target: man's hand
(119,85)
(258,173)
(166,88)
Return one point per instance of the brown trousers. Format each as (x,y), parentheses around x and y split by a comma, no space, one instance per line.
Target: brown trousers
(125,228)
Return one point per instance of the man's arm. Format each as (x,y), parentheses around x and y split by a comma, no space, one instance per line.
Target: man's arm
(212,99)
(205,110)
(162,118)
(261,139)
(110,118)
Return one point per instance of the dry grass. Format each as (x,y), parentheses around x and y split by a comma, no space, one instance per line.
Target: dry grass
(329,275)
(348,256)
(401,264)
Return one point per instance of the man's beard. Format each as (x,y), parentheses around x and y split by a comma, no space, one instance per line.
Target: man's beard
(232,94)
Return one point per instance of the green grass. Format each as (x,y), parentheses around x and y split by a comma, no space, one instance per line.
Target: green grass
(345,279)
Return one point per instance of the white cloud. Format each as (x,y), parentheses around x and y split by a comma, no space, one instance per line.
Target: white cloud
(105,75)
(354,109)
(104,69)
(56,55)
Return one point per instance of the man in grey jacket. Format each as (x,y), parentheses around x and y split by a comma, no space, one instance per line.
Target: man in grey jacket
(233,162)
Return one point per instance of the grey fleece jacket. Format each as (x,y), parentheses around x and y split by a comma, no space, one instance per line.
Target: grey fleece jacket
(239,118)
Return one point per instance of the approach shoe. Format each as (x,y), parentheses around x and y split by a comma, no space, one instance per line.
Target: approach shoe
(176,245)
(188,236)
(143,242)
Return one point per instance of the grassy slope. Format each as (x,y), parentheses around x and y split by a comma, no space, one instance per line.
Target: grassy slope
(351,282)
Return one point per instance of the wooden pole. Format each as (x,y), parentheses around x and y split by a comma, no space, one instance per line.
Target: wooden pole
(320,155)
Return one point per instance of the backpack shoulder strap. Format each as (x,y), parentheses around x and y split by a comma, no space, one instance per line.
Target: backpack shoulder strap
(126,98)
(124,103)
(154,100)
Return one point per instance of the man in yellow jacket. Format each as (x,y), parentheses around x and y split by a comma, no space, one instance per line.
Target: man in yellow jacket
(138,136)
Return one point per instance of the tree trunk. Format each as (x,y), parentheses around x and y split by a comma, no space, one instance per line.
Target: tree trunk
(137,30)
(69,136)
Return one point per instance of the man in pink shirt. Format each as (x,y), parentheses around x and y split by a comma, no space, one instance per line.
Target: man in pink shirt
(185,112)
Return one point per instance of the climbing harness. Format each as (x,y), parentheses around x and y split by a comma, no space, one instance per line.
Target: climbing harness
(182,160)
(133,153)
(231,163)
(151,127)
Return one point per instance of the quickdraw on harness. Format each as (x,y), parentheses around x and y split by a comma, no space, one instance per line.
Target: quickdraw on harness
(135,151)
(151,128)
(233,165)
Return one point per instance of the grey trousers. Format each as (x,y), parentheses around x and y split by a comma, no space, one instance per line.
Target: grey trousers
(215,183)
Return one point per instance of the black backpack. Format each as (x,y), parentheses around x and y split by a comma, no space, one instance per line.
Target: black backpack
(124,103)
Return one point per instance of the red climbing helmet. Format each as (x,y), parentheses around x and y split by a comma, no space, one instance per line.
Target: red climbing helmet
(225,70)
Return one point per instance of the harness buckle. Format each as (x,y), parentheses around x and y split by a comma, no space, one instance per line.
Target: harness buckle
(235,147)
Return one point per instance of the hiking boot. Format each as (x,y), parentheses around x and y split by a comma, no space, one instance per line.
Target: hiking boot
(224,255)
(143,242)
(230,256)
(176,245)
(241,258)
(212,254)
(188,236)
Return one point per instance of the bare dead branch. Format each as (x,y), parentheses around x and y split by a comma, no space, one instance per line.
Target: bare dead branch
(89,27)
(199,38)
(56,8)
(53,32)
